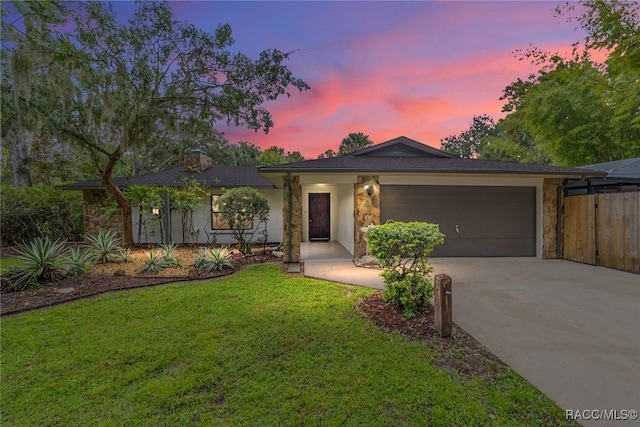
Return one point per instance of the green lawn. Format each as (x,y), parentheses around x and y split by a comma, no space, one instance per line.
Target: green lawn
(255,348)
(7,263)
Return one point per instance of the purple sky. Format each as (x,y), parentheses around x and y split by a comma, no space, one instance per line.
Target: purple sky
(419,69)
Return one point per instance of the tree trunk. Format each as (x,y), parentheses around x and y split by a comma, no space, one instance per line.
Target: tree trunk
(118,195)
(19,158)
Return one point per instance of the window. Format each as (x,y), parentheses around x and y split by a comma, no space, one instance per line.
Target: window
(244,220)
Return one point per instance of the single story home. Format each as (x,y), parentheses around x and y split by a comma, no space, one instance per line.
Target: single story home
(485,208)
(205,224)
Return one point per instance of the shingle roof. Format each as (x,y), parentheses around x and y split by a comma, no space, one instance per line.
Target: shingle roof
(627,168)
(215,176)
(417,157)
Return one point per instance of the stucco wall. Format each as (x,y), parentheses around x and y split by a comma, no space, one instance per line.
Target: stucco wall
(345,234)
(202,223)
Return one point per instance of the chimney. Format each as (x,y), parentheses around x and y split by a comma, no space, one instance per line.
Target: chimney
(196,161)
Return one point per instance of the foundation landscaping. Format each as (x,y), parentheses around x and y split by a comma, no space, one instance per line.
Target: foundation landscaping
(256,346)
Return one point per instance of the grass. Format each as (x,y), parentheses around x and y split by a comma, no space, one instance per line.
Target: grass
(7,263)
(255,348)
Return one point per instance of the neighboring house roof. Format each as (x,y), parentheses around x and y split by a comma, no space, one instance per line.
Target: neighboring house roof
(627,169)
(215,176)
(403,154)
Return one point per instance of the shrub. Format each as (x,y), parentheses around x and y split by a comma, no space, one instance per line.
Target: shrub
(403,249)
(41,261)
(31,212)
(213,259)
(411,291)
(105,246)
(239,207)
(155,262)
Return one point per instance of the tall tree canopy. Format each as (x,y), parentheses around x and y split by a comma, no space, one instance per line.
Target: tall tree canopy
(327,154)
(275,155)
(469,143)
(353,142)
(112,87)
(577,110)
(574,110)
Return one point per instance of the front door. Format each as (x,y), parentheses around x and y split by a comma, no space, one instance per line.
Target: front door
(319,216)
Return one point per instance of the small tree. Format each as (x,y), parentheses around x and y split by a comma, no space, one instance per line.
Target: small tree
(240,207)
(403,249)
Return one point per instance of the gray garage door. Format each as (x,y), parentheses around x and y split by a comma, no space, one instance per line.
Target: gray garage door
(477,221)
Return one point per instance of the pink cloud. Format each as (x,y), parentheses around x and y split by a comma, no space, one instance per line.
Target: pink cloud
(411,81)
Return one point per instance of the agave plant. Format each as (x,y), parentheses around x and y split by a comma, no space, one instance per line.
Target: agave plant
(124,254)
(155,262)
(213,259)
(170,254)
(41,261)
(202,259)
(79,262)
(104,245)
(220,258)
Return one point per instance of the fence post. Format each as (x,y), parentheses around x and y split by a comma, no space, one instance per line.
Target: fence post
(443,312)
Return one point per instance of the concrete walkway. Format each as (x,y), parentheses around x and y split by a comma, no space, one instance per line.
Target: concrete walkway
(572,330)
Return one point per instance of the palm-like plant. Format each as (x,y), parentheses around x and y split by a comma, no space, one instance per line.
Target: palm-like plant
(104,246)
(79,262)
(155,262)
(213,259)
(220,258)
(170,254)
(41,261)
(124,254)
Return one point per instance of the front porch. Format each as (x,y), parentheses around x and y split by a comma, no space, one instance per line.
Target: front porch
(323,251)
(331,261)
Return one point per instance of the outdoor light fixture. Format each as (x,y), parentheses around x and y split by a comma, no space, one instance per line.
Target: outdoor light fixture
(155,211)
(369,189)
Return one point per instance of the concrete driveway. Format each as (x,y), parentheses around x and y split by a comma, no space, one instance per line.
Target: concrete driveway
(572,330)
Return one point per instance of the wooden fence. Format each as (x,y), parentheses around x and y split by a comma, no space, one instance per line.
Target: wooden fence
(603,229)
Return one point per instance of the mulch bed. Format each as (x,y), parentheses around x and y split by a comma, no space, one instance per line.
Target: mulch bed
(459,354)
(77,287)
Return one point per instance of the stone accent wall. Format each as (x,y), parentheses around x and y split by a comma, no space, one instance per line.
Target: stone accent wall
(295,222)
(94,215)
(367,210)
(550,216)
(196,161)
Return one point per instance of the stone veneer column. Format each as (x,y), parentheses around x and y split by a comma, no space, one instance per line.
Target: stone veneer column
(94,213)
(367,210)
(293,191)
(550,216)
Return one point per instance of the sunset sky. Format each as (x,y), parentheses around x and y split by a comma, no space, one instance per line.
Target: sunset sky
(419,69)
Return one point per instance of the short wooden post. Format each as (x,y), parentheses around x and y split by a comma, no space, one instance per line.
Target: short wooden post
(442,301)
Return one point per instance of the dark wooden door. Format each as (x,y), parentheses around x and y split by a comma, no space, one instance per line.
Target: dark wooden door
(319,216)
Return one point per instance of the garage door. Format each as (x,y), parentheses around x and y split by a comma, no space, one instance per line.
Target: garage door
(477,221)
